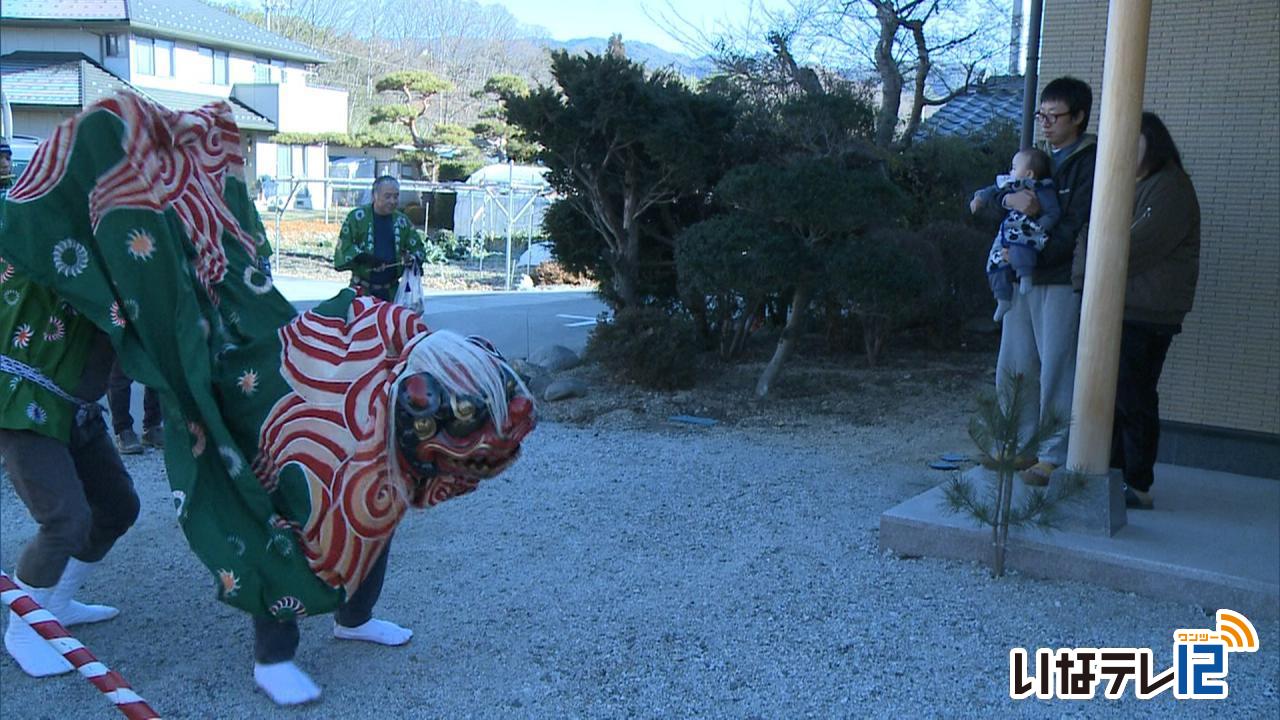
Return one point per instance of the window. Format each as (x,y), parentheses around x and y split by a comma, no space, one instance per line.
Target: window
(111,45)
(268,71)
(284,161)
(164,58)
(221,61)
(153,57)
(204,64)
(144,56)
(261,70)
(213,65)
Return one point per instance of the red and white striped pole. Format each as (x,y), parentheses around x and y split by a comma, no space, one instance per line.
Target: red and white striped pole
(115,687)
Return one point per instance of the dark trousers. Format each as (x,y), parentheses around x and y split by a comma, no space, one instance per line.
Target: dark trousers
(275,641)
(78,493)
(383,291)
(119,388)
(1136,433)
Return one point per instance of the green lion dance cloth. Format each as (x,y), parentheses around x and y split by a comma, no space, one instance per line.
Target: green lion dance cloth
(294,444)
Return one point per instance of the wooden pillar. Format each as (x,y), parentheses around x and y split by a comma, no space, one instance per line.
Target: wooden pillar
(1098,354)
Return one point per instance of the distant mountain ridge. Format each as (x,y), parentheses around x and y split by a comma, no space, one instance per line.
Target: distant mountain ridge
(647,54)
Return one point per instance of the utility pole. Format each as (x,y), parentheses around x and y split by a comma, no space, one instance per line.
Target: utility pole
(269,6)
(1015,39)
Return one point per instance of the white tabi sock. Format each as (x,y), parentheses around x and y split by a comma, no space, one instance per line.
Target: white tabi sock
(32,652)
(285,683)
(63,604)
(374,631)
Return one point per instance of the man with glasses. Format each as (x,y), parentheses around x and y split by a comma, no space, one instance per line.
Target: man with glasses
(1041,327)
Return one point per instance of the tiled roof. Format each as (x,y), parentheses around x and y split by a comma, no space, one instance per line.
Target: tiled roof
(58,79)
(184,19)
(999,98)
(73,80)
(193,20)
(64,10)
(245,117)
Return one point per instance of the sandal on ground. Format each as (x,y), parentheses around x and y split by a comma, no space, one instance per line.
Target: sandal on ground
(1038,475)
(1135,500)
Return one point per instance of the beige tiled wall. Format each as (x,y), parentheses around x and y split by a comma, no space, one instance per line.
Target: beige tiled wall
(1213,75)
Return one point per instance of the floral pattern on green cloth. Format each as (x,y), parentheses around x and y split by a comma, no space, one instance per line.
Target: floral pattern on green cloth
(137,220)
(46,334)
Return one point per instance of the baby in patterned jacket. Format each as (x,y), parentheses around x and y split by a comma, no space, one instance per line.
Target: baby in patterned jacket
(1022,236)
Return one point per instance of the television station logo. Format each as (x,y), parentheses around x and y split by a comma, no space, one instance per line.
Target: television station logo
(1199,670)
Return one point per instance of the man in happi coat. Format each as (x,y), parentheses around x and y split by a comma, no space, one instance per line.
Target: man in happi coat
(294,444)
(376,241)
(54,366)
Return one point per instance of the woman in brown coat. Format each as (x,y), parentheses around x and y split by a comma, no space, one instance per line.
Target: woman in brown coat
(1164,263)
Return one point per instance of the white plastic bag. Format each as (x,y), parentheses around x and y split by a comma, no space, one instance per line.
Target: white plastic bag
(409,290)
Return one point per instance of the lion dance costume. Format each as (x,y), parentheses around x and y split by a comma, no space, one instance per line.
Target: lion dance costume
(296,442)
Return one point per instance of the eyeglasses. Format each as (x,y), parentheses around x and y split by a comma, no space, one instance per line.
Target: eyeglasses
(1049,118)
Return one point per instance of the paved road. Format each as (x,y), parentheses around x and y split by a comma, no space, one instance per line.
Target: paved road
(517,322)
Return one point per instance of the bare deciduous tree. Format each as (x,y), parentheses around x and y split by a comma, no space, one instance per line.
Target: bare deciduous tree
(921,52)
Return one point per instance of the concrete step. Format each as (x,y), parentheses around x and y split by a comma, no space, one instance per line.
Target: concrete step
(1213,539)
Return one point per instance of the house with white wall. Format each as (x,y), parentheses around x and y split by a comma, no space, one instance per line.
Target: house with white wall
(57,56)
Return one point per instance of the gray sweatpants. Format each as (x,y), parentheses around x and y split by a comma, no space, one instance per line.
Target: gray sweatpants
(79,493)
(1039,342)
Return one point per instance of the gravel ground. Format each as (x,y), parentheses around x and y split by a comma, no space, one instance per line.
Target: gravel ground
(662,572)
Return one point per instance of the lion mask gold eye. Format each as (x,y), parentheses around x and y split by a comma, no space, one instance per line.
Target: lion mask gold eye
(463,409)
(424,427)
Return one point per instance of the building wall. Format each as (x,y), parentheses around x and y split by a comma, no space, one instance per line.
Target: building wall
(30,39)
(192,72)
(282,162)
(312,109)
(296,108)
(1213,75)
(39,122)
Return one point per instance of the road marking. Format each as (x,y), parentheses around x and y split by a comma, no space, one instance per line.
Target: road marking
(583,320)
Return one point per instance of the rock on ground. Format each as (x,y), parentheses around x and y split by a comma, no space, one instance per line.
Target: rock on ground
(564,388)
(554,358)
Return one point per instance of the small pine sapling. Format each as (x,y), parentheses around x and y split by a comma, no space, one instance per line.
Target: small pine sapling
(996,430)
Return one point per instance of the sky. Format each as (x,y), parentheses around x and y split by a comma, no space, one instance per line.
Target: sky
(570,19)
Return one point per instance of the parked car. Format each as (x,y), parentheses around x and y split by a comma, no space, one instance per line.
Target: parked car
(23,147)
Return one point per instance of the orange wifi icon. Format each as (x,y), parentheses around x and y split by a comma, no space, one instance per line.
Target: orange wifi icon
(1236,631)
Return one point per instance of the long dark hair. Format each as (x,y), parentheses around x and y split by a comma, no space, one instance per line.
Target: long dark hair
(1161,149)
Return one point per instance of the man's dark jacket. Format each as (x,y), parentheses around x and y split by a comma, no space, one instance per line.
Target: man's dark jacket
(1074,180)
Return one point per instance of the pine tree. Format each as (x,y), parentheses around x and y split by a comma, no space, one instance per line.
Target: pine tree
(995,431)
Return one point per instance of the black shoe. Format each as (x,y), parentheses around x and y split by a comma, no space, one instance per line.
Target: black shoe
(127,443)
(1134,501)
